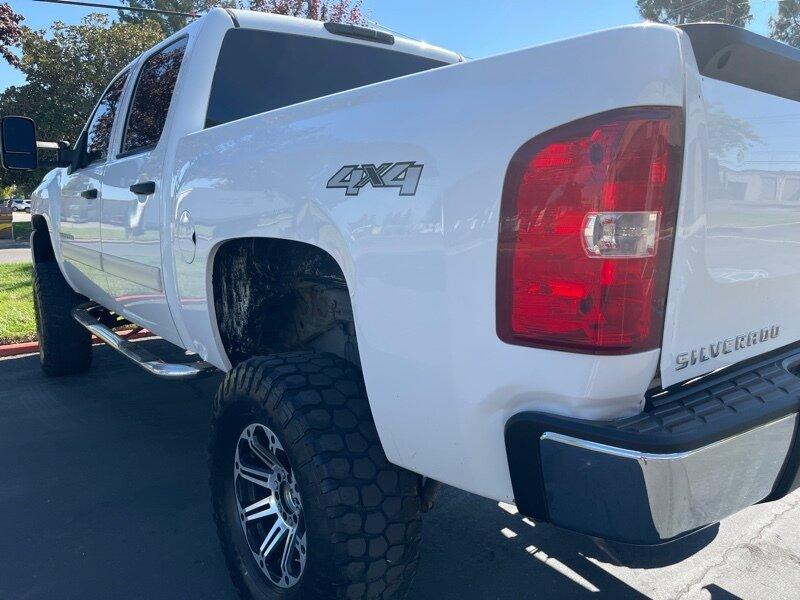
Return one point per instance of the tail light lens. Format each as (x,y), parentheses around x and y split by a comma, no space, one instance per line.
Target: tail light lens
(586,227)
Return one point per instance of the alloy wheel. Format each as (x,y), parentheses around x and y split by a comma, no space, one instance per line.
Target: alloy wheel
(269,505)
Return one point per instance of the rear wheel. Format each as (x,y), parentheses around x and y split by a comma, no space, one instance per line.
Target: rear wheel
(65,347)
(306,503)
(269,505)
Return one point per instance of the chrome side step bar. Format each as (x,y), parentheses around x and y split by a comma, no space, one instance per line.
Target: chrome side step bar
(83,314)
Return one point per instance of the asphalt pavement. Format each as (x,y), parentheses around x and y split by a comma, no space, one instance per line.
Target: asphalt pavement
(103,494)
(15,251)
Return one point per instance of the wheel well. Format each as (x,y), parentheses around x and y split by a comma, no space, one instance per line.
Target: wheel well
(273,295)
(40,240)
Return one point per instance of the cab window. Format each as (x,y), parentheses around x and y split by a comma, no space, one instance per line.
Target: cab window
(151,99)
(259,71)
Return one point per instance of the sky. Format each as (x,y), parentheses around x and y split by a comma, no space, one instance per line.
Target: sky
(475,28)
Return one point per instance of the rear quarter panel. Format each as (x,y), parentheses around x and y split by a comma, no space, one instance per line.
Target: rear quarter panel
(421,269)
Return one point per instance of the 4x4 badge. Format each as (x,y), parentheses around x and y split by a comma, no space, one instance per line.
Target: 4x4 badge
(403,175)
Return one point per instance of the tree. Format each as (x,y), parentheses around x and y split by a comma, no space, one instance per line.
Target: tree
(786,25)
(676,12)
(66,70)
(8,192)
(728,134)
(341,11)
(170,23)
(10,31)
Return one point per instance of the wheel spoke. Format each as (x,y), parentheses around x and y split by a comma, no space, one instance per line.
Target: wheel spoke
(291,541)
(256,476)
(265,456)
(259,504)
(274,536)
(270,510)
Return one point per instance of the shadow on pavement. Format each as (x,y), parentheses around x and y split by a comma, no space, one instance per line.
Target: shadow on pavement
(103,493)
(475,549)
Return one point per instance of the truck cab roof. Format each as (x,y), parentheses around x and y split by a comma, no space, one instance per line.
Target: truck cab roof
(250,19)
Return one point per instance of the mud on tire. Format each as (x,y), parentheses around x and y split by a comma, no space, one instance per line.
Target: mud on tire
(65,347)
(362,514)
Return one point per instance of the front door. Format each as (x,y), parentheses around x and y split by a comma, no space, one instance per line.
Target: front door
(81,194)
(134,197)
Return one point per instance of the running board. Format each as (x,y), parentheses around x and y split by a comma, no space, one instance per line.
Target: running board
(137,352)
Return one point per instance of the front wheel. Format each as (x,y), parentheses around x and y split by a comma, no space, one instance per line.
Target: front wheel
(306,503)
(65,347)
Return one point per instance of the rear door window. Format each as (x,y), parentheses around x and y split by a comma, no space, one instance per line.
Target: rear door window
(98,131)
(259,71)
(152,97)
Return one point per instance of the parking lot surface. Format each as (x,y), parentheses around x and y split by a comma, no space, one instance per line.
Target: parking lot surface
(11,252)
(16,251)
(103,494)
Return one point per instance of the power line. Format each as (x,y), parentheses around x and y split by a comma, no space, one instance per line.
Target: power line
(696,3)
(128,8)
(377,25)
(725,8)
(685,7)
(711,14)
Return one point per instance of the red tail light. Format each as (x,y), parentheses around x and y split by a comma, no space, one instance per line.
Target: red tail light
(586,227)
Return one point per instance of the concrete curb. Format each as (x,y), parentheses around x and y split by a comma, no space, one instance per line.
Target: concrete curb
(33,347)
(21,348)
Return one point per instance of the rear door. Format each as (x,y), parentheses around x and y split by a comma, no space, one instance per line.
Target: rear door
(134,195)
(81,196)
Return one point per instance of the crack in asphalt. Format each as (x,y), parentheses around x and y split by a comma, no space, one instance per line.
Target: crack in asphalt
(751,541)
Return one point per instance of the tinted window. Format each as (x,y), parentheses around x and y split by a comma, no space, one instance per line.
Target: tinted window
(259,71)
(98,132)
(150,103)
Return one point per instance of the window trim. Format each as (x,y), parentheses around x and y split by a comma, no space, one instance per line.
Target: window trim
(136,151)
(144,149)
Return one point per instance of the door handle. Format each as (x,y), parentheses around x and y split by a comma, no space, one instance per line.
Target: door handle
(145,188)
(90,194)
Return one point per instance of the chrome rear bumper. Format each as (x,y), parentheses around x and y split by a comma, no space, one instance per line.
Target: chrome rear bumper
(694,456)
(642,497)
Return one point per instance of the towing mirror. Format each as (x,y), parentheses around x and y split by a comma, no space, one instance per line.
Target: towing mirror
(19,147)
(18,144)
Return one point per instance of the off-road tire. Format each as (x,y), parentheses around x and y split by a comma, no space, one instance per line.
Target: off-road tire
(362,514)
(65,347)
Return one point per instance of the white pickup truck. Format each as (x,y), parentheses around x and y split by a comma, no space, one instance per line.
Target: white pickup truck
(564,277)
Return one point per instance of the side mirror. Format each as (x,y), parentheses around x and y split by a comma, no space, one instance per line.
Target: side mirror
(18,144)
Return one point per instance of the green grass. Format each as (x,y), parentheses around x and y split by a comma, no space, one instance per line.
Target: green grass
(17,322)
